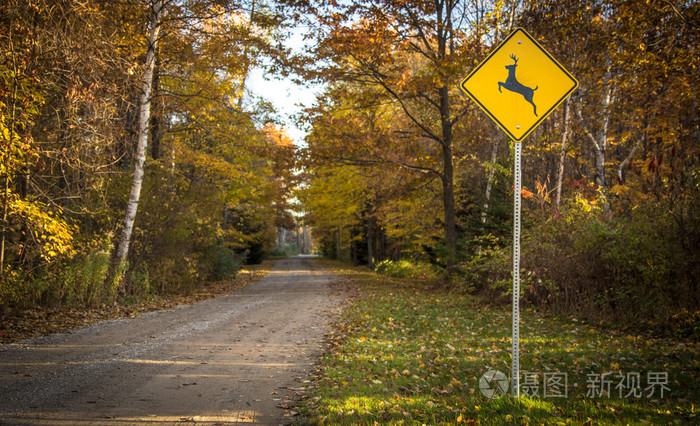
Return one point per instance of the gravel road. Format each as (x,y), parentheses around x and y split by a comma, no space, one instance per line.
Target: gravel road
(227,360)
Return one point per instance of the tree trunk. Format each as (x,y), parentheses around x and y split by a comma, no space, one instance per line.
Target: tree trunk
(157,116)
(599,155)
(489,186)
(444,34)
(370,238)
(448,196)
(137,179)
(5,207)
(448,200)
(489,179)
(298,234)
(602,144)
(338,247)
(599,140)
(562,154)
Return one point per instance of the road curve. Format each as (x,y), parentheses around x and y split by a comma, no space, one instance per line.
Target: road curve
(228,360)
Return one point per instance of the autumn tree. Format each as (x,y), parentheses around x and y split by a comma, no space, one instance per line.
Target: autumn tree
(64,79)
(411,52)
(625,207)
(74,82)
(155,16)
(197,70)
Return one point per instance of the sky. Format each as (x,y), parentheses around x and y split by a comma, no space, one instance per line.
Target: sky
(288,98)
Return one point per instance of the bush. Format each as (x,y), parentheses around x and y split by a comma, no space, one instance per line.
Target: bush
(220,262)
(487,273)
(408,269)
(172,275)
(631,268)
(139,281)
(79,280)
(85,279)
(277,252)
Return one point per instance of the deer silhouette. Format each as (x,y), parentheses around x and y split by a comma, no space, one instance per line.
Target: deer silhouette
(514,85)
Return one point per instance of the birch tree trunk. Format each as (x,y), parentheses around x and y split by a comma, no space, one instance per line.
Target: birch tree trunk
(641,141)
(144,119)
(489,180)
(562,154)
(623,163)
(599,140)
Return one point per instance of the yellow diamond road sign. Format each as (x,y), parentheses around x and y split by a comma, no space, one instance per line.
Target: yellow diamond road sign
(519,84)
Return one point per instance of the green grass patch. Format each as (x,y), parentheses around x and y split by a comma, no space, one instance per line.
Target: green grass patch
(409,353)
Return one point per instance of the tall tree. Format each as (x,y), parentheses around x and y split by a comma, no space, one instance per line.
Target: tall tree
(155,17)
(63,116)
(411,52)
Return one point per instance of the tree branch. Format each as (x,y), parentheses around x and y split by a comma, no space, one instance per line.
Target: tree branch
(585,129)
(627,159)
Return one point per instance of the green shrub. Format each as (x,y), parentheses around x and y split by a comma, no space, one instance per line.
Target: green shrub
(632,268)
(79,280)
(487,273)
(277,252)
(408,269)
(220,262)
(171,274)
(139,281)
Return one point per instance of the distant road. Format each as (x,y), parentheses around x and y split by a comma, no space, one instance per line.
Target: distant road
(228,360)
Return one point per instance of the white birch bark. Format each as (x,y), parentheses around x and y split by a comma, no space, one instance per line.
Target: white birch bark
(600,138)
(144,116)
(562,154)
(623,163)
(489,178)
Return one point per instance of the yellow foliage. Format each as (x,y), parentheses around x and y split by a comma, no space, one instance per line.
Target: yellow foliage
(48,231)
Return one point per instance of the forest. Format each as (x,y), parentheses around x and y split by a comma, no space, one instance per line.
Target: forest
(135,161)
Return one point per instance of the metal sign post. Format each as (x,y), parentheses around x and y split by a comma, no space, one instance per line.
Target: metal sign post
(518,85)
(515,377)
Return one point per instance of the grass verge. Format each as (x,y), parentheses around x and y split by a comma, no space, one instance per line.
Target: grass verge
(406,352)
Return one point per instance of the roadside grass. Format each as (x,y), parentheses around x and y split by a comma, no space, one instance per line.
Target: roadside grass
(408,352)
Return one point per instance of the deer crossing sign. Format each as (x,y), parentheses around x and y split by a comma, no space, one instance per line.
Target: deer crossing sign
(519,84)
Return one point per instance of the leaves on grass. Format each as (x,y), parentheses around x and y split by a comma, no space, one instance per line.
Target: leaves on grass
(402,353)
